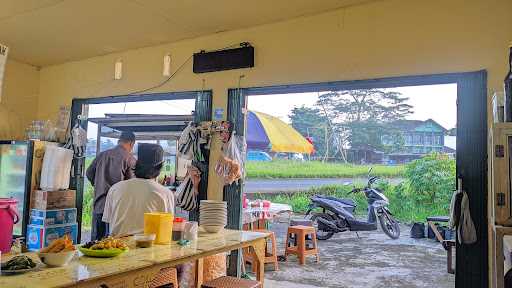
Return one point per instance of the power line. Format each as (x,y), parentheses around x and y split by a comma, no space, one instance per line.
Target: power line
(165,81)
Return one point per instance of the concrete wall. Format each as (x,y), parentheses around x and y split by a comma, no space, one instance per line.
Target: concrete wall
(19,101)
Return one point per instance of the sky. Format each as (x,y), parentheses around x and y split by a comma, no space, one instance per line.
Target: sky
(437,102)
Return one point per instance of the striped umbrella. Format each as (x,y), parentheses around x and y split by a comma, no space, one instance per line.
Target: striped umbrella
(266,132)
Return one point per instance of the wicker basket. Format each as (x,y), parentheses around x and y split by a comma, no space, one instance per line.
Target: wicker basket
(214,267)
(164,277)
(231,282)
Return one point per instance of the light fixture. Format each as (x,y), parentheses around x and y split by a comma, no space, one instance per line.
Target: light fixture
(118,70)
(167,65)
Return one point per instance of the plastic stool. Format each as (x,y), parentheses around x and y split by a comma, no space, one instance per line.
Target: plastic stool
(301,249)
(231,282)
(270,257)
(298,222)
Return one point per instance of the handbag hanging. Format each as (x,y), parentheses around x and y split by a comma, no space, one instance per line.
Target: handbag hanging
(188,190)
(186,196)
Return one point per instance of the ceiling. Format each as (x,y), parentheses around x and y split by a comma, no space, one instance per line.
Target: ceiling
(46,32)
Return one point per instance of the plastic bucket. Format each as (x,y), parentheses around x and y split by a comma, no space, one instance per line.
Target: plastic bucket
(8,217)
(159,224)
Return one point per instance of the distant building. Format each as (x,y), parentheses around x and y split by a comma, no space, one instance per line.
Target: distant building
(419,138)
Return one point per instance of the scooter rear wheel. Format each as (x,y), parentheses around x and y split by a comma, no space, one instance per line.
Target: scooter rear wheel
(321,234)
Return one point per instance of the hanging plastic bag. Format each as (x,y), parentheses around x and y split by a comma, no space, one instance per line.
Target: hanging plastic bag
(230,166)
(77,141)
(56,169)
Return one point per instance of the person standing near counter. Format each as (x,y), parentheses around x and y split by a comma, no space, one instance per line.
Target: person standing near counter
(127,201)
(108,168)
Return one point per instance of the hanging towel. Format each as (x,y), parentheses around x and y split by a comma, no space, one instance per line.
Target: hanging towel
(466,232)
(455,209)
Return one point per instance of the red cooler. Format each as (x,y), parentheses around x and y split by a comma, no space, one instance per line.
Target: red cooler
(8,217)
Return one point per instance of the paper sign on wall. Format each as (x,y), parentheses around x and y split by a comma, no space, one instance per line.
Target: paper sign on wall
(4,50)
(218,114)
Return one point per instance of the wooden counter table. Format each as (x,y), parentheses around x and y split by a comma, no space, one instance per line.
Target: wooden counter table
(137,267)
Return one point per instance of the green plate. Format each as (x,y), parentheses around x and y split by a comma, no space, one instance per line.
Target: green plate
(105,253)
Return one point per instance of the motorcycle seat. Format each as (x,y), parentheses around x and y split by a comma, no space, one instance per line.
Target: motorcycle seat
(348,202)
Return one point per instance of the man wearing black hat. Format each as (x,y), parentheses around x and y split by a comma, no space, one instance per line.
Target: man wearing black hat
(127,201)
(108,168)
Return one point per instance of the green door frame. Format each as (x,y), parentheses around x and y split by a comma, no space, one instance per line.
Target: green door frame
(472,260)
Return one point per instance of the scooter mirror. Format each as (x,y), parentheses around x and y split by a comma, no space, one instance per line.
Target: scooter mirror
(370,171)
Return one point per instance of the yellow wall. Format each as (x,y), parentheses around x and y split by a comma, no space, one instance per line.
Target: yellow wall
(379,39)
(19,99)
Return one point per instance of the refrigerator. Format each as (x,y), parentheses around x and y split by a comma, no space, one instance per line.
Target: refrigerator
(20,169)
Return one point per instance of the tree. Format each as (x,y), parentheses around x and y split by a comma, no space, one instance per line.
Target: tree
(309,122)
(365,104)
(367,115)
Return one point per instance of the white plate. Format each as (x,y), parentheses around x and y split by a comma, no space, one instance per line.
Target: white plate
(213,202)
(214,218)
(14,272)
(213,223)
(212,229)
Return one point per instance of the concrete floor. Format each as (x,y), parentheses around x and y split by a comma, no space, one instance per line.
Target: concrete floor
(374,260)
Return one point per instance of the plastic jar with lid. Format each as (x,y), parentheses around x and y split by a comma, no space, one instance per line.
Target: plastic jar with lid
(178,227)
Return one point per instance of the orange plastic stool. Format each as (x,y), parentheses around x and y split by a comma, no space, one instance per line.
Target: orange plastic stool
(270,256)
(300,249)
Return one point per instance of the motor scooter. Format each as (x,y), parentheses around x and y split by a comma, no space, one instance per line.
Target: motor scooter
(337,214)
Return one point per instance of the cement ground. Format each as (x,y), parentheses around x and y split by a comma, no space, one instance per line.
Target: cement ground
(371,261)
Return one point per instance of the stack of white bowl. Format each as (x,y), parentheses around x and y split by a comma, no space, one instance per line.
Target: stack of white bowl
(213,215)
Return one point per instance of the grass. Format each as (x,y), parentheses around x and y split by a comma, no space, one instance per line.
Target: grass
(87,205)
(401,205)
(317,169)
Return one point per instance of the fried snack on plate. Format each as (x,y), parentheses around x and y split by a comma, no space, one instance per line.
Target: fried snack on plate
(59,245)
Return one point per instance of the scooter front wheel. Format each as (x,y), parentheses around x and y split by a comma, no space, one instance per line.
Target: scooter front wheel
(389,225)
(321,234)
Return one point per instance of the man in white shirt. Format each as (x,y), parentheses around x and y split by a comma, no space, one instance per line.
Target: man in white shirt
(128,200)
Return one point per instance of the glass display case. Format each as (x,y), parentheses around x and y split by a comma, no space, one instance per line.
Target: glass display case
(16,176)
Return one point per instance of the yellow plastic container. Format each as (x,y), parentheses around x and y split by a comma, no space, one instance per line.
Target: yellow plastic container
(159,224)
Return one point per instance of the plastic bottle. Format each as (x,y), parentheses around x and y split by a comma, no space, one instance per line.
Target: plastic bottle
(178,228)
